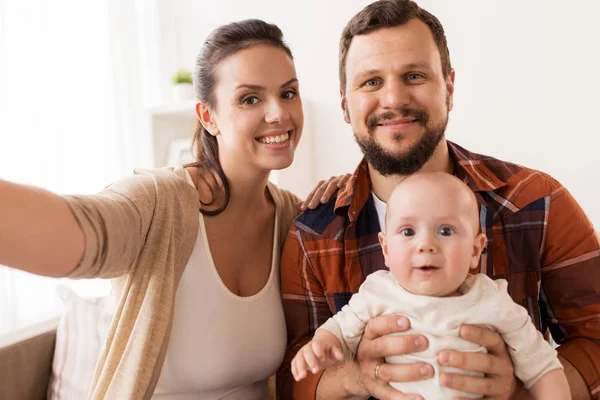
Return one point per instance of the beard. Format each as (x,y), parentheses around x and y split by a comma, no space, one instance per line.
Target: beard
(411,160)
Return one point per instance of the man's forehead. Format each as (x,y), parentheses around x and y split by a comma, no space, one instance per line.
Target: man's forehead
(405,44)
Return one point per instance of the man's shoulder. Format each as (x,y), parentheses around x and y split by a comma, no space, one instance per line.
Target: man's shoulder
(522,185)
(321,220)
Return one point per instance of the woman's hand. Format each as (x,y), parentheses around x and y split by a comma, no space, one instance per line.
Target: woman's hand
(323,192)
(499,381)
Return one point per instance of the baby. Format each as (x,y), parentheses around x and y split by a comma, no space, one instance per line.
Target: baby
(431,243)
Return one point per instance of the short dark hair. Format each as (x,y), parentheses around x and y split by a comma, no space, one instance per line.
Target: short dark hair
(221,43)
(388,14)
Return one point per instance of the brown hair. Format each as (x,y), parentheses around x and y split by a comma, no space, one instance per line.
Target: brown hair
(221,43)
(388,14)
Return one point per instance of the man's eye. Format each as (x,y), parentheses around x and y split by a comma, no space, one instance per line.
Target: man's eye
(250,100)
(407,232)
(446,231)
(412,77)
(372,82)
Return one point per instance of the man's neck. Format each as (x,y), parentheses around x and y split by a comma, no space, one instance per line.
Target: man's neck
(383,186)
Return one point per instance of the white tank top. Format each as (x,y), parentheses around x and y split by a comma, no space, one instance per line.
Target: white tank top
(222,346)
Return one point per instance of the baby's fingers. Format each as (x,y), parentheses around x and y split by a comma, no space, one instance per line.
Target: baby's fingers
(310,358)
(299,367)
(337,354)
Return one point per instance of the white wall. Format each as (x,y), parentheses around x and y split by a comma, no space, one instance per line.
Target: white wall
(527,73)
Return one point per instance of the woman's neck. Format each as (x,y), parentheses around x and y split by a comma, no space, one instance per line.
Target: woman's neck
(248,192)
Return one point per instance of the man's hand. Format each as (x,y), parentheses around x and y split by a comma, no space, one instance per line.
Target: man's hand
(374,347)
(499,382)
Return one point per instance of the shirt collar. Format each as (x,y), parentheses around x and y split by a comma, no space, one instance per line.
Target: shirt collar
(471,168)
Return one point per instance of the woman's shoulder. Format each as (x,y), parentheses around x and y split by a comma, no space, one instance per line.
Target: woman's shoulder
(153,186)
(284,199)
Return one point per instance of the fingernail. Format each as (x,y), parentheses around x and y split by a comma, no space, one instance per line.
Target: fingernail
(420,342)
(403,323)
(444,357)
(467,330)
(303,207)
(425,370)
(446,380)
(312,204)
(323,199)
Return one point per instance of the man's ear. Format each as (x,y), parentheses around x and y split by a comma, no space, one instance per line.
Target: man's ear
(479,243)
(383,243)
(206,118)
(450,89)
(344,107)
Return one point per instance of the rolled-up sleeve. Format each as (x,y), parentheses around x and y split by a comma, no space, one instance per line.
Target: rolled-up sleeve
(114,223)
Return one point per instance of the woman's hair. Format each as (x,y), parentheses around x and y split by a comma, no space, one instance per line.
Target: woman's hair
(220,44)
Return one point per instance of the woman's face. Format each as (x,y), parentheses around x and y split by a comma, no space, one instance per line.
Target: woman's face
(258,113)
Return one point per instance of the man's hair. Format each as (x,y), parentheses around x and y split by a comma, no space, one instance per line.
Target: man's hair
(388,14)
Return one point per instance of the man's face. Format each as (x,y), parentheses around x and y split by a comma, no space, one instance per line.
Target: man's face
(396,97)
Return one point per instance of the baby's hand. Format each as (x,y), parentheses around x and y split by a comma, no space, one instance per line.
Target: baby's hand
(320,353)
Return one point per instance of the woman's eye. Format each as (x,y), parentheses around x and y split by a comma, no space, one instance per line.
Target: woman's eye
(407,232)
(446,231)
(288,95)
(250,100)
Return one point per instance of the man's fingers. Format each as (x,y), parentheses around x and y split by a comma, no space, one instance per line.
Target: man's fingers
(392,346)
(476,362)
(487,338)
(404,372)
(473,384)
(384,325)
(383,391)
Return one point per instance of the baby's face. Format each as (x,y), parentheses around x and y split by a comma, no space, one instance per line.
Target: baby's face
(431,239)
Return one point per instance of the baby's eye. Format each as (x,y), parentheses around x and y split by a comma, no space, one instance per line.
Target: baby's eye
(446,231)
(407,232)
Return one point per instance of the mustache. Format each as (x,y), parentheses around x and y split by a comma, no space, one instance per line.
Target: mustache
(419,114)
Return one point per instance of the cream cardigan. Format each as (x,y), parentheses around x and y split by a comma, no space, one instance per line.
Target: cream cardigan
(142,230)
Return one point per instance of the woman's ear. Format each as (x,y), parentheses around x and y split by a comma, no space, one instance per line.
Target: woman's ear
(206,117)
(479,244)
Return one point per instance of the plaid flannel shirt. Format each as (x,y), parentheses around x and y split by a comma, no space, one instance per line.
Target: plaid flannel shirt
(539,240)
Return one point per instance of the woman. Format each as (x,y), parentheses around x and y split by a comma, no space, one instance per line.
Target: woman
(199,314)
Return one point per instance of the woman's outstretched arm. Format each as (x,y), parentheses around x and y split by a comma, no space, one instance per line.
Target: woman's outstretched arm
(38,232)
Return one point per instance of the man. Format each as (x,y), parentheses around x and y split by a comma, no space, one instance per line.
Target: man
(397,85)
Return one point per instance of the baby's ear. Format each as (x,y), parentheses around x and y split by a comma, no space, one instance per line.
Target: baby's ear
(479,244)
(382,242)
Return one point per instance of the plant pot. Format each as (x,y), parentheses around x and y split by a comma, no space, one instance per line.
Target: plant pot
(183,92)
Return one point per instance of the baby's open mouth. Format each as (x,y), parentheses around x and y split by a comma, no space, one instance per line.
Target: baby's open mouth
(428,268)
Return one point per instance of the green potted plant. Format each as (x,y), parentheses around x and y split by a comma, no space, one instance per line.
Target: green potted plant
(182,85)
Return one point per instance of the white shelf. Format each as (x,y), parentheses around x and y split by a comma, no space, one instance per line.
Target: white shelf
(170,123)
(180,108)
